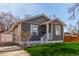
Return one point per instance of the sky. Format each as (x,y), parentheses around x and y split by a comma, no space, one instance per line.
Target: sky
(49,9)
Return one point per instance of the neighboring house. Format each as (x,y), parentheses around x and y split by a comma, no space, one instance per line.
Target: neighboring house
(40,29)
(6,37)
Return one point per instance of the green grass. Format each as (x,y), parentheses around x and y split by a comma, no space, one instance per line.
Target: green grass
(55,49)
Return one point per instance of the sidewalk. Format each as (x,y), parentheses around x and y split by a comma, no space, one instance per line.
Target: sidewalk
(12,51)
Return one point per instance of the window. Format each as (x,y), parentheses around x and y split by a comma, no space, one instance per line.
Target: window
(58,30)
(34,29)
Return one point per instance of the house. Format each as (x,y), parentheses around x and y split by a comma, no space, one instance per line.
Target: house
(6,37)
(39,29)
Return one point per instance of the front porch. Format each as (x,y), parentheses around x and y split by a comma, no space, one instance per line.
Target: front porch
(47,32)
(54,32)
(48,36)
(44,42)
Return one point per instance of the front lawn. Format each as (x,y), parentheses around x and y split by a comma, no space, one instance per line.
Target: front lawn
(55,49)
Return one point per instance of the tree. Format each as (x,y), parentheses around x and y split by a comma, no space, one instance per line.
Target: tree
(73,10)
(72,29)
(7,19)
(69,28)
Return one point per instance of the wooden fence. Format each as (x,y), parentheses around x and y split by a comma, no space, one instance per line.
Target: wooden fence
(71,38)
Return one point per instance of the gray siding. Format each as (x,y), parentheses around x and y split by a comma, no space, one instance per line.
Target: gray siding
(57,37)
(25,27)
(41,31)
(41,28)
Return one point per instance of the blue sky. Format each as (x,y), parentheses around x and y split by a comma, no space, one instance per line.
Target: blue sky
(60,10)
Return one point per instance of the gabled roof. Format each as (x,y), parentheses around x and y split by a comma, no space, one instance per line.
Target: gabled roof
(15,23)
(31,18)
(54,20)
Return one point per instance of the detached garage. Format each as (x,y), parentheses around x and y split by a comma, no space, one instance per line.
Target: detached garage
(6,37)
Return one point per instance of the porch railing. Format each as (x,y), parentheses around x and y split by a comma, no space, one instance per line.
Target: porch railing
(44,38)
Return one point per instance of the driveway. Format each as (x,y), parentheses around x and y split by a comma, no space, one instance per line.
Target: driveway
(12,51)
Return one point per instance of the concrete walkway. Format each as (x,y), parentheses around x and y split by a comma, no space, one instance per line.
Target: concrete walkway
(12,51)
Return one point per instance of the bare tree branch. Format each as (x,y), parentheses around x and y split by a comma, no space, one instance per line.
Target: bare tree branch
(72,11)
(7,19)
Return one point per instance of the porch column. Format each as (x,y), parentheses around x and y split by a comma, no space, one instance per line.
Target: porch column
(47,31)
(19,34)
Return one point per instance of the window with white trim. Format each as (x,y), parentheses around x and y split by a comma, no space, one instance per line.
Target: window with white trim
(58,30)
(34,29)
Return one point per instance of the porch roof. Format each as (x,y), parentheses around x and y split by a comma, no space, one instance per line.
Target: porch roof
(54,20)
(15,23)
